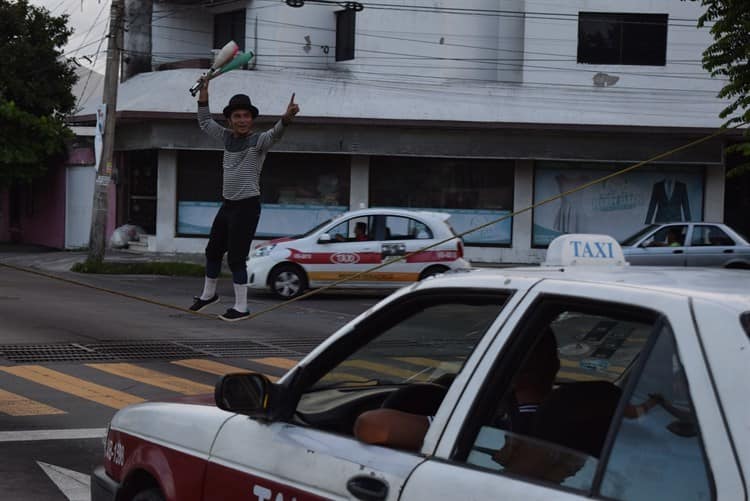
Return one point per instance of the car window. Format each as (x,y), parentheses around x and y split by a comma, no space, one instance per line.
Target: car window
(420,346)
(657,452)
(352,230)
(632,239)
(547,420)
(709,235)
(405,228)
(669,236)
(423,347)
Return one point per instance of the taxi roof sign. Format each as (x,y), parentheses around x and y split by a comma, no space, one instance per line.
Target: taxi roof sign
(584,249)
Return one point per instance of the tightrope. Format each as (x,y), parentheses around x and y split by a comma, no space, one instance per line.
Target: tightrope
(354,276)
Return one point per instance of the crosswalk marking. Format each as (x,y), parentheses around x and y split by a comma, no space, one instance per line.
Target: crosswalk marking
(212,367)
(154,378)
(16,405)
(74,386)
(281,363)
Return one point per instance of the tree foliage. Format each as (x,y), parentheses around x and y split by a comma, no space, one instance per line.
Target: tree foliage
(729,57)
(35,89)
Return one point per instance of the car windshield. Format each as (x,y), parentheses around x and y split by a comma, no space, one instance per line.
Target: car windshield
(632,239)
(314,229)
(429,344)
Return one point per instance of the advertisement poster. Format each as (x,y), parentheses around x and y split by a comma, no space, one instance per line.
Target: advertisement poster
(618,207)
(195,218)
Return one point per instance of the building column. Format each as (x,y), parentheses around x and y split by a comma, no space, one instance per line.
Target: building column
(523,196)
(166,203)
(713,205)
(359,182)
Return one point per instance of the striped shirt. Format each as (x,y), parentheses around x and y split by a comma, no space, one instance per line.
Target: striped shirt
(243,156)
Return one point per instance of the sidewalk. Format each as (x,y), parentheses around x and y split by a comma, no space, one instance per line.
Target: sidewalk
(44,258)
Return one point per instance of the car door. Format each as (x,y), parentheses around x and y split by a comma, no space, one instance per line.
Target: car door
(423,337)
(404,235)
(340,254)
(649,428)
(664,247)
(709,246)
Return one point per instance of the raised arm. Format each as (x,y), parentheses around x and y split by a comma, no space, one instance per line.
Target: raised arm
(269,137)
(206,123)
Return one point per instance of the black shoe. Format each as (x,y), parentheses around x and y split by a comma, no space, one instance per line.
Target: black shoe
(232,315)
(199,304)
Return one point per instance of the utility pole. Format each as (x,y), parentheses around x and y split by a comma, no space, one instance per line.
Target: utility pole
(97,236)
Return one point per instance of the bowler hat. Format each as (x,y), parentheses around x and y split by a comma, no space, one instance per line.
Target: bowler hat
(240,102)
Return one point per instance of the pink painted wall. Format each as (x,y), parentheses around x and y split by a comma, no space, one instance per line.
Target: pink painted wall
(45,223)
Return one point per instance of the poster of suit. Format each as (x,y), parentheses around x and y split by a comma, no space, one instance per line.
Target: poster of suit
(619,206)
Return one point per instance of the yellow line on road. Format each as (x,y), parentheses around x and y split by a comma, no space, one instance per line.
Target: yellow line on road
(451,366)
(154,378)
(16,405)
(212,367)
(73,385)
(576,365)
(380,368)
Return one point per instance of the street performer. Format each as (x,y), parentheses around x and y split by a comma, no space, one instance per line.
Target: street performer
(234,226)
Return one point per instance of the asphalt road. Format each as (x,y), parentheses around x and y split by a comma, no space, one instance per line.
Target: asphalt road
(71,354)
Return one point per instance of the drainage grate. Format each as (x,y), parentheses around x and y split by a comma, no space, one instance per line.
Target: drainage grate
(39,353)
(155,350)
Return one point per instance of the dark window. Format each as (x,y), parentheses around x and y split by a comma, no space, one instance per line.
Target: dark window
(638,39)
(229,26)
(345,21)
(473,192)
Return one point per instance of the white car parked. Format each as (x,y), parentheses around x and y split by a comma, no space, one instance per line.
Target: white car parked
(355,242)
(648,396)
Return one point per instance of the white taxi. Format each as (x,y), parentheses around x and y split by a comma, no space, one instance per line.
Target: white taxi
(353,243)
(642,395)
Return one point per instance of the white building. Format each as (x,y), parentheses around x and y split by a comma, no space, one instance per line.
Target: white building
(479,111)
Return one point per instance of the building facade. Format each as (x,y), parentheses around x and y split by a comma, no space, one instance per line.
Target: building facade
(481,111)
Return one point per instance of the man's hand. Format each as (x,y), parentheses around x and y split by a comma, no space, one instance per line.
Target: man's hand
(203,93)
(291,110)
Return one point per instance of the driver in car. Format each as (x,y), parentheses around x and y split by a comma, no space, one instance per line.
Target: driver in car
(405,430)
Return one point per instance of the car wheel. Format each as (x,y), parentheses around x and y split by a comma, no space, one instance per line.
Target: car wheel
(152,494)
(287,281)
(738,266)
(433,270)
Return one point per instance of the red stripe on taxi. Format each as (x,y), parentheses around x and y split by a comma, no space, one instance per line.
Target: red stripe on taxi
(433,256)
(341,258)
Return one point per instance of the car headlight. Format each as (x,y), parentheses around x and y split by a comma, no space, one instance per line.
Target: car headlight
(263,250)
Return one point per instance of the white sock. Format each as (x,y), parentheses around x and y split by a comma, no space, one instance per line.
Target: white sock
(240,297)
(209,288)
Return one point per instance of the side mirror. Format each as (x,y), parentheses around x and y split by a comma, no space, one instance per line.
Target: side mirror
(324,238)
(244,393)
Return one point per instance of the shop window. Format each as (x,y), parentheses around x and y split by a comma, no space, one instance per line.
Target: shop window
(620,206)
(298,192)
(634,39)
(229,26)
(473,192)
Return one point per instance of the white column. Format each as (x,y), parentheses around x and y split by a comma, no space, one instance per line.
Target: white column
(359,183)
(713,209)
(166,204)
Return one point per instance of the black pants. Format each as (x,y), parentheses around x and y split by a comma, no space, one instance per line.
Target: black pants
(232,232)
